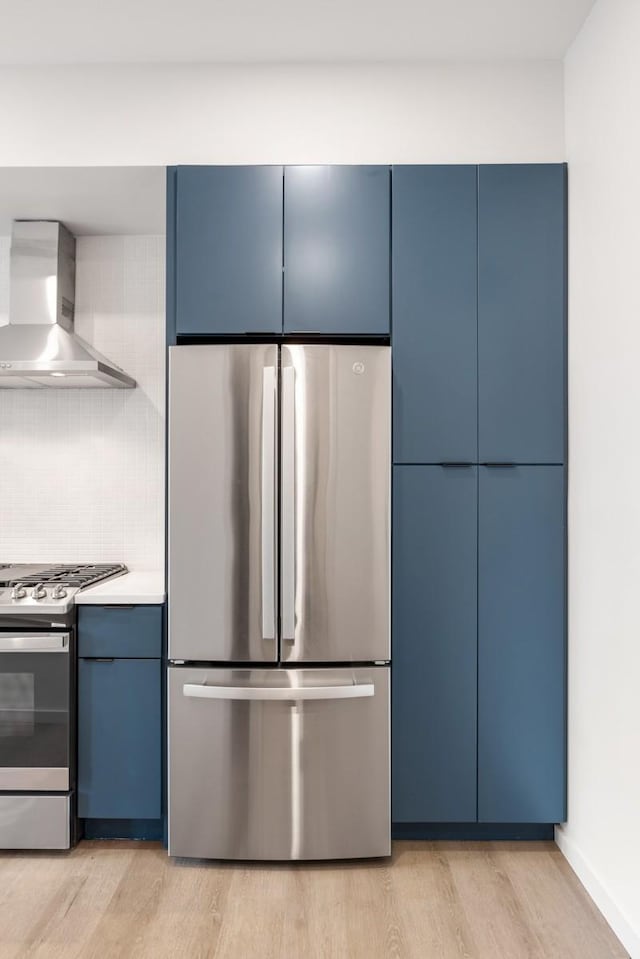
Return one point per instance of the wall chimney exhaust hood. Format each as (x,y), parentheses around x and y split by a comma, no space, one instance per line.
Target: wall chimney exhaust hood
(38,347)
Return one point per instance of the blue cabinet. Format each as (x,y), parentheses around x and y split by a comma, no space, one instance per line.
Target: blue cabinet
(228,250)
(120,718)
(521,645)
(434,279)
(336,249)
(119,739)
(479,648)
(479,313)
(434,651)
(521,313)
(123,632)
(232,230)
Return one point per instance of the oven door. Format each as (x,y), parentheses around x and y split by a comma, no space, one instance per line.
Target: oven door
(35,716)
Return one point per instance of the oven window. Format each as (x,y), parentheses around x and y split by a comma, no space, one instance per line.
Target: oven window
(34,710)
(17,704)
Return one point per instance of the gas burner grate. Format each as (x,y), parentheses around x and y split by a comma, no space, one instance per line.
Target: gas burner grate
(79,576)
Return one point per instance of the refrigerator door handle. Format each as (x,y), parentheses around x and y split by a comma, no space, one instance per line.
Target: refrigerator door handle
(268,502)
(280,693)
(288,527)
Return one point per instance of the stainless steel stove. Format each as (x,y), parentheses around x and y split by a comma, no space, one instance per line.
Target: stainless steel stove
(38,700)
(44,588)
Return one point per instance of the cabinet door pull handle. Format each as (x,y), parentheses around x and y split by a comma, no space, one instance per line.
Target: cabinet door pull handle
(118,605)
(500,465)
(455,465)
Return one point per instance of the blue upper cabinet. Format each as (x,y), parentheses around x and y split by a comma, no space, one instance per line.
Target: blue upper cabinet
(336,249)
(521,644)
(434,644)
(228,250)
(434,279)
(521,313)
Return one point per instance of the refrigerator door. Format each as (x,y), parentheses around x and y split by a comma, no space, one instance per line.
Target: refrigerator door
(223,503)
(335,502)
(279,764)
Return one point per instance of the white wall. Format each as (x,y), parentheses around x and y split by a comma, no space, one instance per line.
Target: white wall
(385,113)
(82,472)
(602,836)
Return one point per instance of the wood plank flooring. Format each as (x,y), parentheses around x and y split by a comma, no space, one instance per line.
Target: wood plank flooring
(447,900)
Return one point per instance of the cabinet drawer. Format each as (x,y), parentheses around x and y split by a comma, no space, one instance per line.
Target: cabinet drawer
(120,632)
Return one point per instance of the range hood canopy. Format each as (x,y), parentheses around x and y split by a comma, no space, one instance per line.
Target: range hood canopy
(38,347)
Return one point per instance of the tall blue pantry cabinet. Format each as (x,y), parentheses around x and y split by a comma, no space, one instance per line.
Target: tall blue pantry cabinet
(478,333)
(464,268)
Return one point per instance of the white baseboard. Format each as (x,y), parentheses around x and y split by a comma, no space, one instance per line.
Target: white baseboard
(624,930)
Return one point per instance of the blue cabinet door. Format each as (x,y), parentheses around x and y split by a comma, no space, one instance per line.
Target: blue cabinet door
(434,644)
(521,313)
(521,645)
(119,739)
(228,249)
(336,249)
(434,314)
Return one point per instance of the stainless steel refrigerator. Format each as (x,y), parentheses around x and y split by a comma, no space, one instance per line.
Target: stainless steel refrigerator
(279,601)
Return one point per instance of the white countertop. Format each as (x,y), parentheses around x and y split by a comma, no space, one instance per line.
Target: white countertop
(145,587)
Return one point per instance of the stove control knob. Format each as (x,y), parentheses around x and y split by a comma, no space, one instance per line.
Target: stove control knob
(39,592)
(59,592)
(18,591)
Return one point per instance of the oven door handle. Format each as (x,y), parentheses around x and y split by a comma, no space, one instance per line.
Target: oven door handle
(34,643)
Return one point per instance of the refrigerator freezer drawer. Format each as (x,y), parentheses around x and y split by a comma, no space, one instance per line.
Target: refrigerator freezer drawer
(277,764)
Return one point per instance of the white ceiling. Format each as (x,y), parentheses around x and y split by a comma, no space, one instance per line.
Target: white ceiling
(140,31)
(89,200)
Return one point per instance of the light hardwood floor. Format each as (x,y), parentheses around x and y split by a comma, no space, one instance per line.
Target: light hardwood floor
(115,900)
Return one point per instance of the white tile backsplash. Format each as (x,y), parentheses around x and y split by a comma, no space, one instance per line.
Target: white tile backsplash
(82,471)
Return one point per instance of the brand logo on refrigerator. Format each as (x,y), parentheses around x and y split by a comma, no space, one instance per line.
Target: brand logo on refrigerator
(358,368)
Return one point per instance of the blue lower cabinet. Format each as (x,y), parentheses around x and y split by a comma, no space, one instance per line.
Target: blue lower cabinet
(119,739)
(521,645)
(434,668)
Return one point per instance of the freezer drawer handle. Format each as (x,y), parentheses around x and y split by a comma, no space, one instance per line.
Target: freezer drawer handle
(268,502)
(353,691)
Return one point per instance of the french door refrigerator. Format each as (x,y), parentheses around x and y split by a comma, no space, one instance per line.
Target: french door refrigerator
(279,601)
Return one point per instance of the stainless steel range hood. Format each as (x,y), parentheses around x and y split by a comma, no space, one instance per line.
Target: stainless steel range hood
(38,347)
